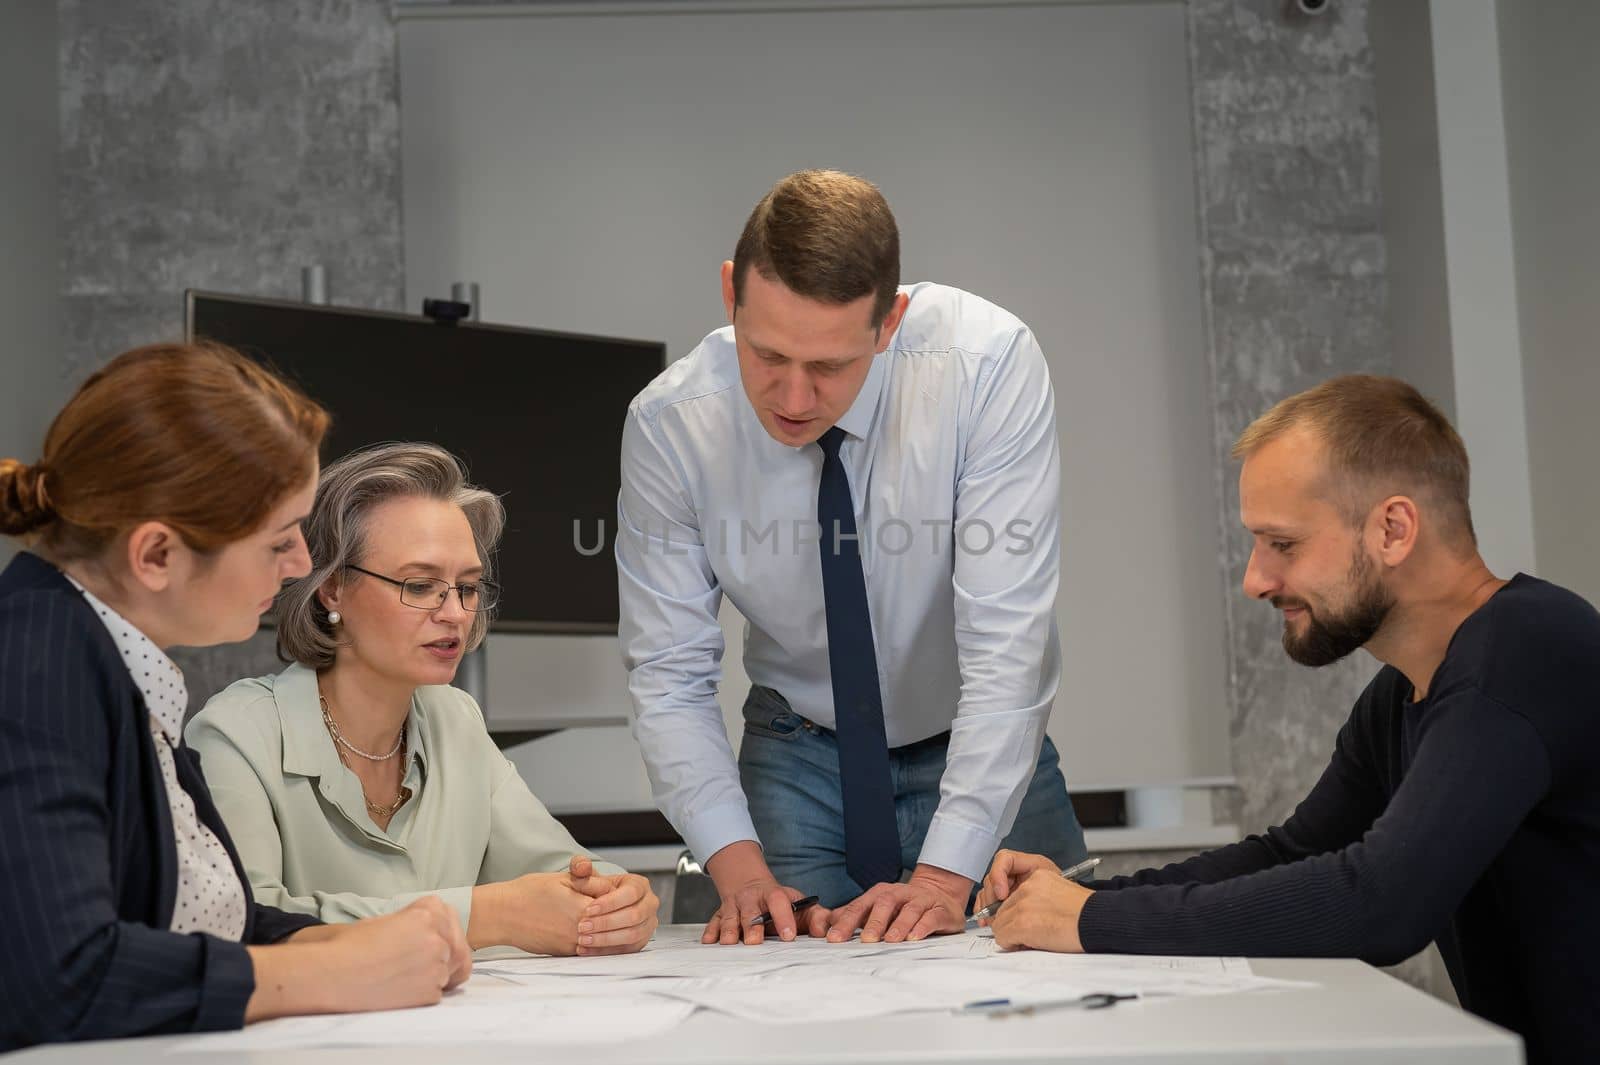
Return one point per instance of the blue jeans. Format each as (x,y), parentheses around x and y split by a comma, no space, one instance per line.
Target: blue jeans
(790,771)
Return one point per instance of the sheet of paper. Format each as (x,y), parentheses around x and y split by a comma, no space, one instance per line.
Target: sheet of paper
(967,963)
(1036,977)
(481,1012)
(534,1000)
(884,984)
(675,954)
(1130,973)
(803,993)
(1137,962)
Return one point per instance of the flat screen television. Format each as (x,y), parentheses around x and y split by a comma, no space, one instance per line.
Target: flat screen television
(535,415)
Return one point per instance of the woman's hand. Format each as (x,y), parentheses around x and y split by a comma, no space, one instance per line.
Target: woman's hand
(408,958)
(622,920)
(540,912)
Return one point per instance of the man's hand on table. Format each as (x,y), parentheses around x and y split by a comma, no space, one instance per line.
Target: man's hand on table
(749,889)
(932,902)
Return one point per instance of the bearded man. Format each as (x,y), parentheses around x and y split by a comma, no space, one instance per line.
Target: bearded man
(1462,803)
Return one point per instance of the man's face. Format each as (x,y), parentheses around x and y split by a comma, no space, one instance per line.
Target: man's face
(802,362)
(1307,560)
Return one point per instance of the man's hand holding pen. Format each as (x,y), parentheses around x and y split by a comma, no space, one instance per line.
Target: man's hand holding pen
(1041,906)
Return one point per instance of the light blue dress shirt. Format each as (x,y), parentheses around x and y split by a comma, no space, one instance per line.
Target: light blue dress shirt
(955,474)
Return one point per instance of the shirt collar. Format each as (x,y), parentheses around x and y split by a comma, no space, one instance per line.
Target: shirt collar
(157,677)
(857,421)
(307,748)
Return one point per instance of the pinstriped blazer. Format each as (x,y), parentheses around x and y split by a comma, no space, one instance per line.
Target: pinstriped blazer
(88,865)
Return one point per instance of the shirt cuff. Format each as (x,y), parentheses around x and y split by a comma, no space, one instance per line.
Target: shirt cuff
(603,867)
(710,831)
(270,924)
(959,847)
(458,899)
(226,987)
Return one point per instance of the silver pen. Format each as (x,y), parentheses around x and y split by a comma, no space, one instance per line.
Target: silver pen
(1072,873)
(1005,1007)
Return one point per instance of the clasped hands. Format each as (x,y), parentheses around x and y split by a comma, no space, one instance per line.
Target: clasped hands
(575,912)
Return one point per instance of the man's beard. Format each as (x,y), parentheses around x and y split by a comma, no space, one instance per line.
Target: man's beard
(1326,640)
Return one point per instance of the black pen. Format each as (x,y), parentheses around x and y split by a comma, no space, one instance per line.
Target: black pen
(797,905)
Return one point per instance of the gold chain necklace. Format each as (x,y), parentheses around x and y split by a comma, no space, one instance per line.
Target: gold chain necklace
(377,810)
(338,737)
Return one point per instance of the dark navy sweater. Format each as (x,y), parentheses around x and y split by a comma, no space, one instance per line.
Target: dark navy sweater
(1470,818)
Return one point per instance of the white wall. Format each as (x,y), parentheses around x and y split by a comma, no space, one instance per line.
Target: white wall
(1550,68)
(29,258)
(1481,278)
(592,173)
(1413,217)
(1490,143)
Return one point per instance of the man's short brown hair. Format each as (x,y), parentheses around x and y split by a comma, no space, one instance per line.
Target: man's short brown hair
(1382,438)
(825,235)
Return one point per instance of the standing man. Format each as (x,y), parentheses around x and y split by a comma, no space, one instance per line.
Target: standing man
(871,475)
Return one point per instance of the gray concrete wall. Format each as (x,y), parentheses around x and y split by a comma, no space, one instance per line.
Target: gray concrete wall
(30,388)
(223,146)
(1293,270)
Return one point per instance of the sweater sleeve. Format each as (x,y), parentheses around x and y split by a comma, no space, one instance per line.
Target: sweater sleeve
(1346,800)
(1478,770)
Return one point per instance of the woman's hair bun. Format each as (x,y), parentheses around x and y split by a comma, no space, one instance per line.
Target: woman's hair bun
(24,502)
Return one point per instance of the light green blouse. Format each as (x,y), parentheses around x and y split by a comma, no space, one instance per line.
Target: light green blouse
(299,821)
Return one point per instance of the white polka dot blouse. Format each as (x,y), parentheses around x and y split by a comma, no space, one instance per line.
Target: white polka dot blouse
(211,898)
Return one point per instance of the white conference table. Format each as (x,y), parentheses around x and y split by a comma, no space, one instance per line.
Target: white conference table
(1357,1014)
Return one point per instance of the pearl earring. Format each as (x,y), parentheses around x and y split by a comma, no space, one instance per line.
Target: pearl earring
(334,617)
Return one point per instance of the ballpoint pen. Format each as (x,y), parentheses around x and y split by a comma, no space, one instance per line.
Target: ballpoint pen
(1072,873)
(797,905)
(1005,1007)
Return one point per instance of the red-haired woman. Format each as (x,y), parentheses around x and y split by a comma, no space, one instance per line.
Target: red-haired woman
(165,511)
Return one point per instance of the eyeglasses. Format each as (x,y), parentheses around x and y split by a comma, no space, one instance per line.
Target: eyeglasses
(430,593)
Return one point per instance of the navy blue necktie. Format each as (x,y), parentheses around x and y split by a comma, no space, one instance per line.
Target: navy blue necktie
(871,836)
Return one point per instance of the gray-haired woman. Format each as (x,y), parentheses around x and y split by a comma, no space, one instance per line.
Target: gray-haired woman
(357,779)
